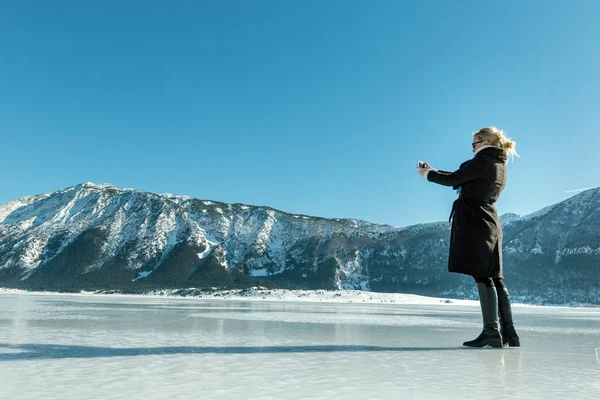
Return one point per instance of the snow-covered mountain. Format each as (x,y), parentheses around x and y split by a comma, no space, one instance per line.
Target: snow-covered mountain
(101,237)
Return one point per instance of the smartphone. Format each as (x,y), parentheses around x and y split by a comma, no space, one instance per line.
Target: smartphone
(421,164)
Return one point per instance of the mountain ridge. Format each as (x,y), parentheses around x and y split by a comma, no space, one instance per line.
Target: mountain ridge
(101,237)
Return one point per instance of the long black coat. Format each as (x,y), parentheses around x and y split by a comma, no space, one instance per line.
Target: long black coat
(476,235)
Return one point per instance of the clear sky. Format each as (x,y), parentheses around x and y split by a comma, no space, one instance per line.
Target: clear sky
(312,107)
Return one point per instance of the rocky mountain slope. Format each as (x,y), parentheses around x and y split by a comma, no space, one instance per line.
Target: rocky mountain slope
(100,237)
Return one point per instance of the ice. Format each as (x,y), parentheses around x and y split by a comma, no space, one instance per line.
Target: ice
(128,347)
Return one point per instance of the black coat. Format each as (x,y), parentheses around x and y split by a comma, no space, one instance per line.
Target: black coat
(476,235)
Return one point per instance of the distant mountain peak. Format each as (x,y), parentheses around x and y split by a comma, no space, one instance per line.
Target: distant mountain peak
(592,194)
(509,217)
(99,186)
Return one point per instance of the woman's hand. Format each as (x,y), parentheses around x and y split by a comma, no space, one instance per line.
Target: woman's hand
(425,168)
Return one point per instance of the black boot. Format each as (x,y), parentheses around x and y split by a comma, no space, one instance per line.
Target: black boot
(489,311)
(509,334)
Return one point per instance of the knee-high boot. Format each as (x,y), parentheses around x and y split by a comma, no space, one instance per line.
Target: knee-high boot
(507,328)
(489,310)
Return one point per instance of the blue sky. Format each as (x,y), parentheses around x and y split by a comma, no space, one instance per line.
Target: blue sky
(319,108)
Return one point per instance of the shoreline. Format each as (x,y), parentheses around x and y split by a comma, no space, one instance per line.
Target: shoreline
(288,295)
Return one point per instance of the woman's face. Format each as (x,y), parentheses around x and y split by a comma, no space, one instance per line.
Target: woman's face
(477,143)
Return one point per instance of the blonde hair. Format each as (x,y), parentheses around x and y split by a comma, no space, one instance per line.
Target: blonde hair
(498,138)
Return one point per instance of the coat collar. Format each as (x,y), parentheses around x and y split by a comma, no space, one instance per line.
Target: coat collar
(487,146)
(492,151)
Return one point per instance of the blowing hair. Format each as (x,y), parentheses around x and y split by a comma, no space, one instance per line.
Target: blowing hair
(498,138)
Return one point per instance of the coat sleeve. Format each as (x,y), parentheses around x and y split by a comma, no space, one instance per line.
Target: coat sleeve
(468,171)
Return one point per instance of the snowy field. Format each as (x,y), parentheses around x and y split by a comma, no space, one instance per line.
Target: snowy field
(353,345)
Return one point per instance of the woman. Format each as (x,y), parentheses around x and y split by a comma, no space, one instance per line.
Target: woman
(476,235)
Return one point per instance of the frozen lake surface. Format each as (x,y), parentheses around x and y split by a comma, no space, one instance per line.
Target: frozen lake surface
(126,347)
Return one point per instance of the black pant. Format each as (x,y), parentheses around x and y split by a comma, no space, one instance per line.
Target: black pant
(490,282)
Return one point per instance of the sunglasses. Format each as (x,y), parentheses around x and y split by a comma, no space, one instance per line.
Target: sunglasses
(474,143)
